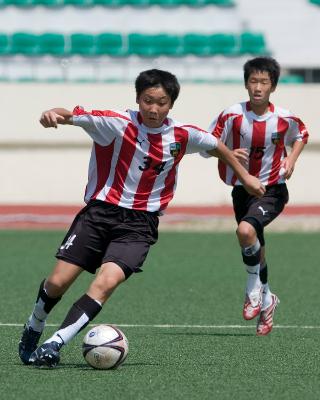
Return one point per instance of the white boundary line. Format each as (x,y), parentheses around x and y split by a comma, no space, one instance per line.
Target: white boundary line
(185,326)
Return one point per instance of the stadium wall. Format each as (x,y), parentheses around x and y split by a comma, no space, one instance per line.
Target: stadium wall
(41,166)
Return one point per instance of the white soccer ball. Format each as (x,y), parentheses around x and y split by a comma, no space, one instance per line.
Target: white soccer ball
(105,347)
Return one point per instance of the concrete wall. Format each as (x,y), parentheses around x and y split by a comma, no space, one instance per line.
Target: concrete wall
(50,166)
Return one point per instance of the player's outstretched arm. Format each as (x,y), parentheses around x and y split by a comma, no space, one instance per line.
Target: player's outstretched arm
(252,184)
(52,118)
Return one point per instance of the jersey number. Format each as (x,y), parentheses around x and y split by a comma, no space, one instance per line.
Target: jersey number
(158,168)
(257,152)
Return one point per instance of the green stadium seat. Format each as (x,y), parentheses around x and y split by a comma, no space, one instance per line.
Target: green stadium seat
(224,43)
(143,45)
(316,2)
(110,3)
(155,45)
(295,79)
(52,44)
(110,44)
(167,3)
(20,3)
(170,45)
(49,3)
(4,44)
(25,43)
(252,43)
(201,3)
(79,3)
(138,3)
(221,3)
(197,44)
(82,44)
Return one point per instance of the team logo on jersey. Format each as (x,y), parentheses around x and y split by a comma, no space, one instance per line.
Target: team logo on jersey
(276,137)
(175,149)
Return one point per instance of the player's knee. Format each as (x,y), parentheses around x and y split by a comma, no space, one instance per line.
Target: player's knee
(103,287)
(251,255)
(246,233)
(55,287)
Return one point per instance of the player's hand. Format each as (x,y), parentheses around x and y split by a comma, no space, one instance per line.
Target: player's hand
(50,119)
(253,186)
(242,156)
(287,168)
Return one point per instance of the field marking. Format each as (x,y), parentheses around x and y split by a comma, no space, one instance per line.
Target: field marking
(185,326)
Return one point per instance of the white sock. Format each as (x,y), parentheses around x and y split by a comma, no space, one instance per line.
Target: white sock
(37,319)
(253,280)
(266,296)
(64,335)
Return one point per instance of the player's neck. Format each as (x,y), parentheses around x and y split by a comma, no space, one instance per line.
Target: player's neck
(260,109)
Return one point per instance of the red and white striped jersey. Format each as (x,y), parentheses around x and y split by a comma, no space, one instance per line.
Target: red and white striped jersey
(265,137)
(134,166)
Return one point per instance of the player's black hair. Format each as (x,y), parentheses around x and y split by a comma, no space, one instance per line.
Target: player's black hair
(157,78)
(262,64)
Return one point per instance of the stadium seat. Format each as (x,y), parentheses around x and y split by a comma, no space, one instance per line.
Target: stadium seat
(143,45)
(4,44)
(316,2)
(201,3)
(138,3)
(110,44)
(52,44)
(169,45)
(25,43)
(167,3)
(82,44)
(79,3)
(295,79)
(224,43)
(197,44)
(110,3)
(20,3)
(49,3)
(252,43)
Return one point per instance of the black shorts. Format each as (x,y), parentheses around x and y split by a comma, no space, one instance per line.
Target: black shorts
(103,232)
(259,212)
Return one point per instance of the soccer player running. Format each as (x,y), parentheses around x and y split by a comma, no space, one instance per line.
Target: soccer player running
(258,132)
(132,177)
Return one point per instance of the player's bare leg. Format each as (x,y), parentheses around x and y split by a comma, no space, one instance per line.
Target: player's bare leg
(50,293)
(251,254)
(80,314)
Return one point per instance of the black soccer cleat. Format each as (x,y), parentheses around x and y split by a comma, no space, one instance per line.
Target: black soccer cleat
(28,343)
(47,355)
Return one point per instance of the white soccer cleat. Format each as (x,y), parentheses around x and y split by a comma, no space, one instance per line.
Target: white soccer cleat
(265,321)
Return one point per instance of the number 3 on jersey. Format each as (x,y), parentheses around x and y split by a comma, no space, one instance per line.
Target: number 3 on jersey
(148,163)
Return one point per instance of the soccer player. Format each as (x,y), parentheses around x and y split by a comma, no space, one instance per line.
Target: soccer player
(258,132)
(132,177)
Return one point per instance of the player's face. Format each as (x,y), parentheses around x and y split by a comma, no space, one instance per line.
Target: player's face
(259,87)
(154,106)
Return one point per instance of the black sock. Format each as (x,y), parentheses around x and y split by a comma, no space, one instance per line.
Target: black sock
(85,305)
(49,302)
(263,273)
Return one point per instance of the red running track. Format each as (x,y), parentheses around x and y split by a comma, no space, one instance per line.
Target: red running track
(60,216)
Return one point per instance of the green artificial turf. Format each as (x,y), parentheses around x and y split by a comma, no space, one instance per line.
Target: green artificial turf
(186,334)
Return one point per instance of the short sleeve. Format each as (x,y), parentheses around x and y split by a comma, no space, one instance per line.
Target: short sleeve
(200,140)
(102,126)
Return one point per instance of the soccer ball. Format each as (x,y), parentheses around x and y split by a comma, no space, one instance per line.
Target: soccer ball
(105,347)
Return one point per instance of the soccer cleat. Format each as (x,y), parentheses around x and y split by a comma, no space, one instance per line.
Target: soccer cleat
(28,343)
(265,321)
(252,305)
(47,355)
